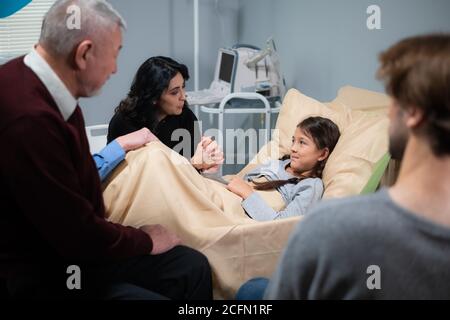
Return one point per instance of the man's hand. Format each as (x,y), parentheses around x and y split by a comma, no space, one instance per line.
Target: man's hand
(163,239)
(240,187)
(136,139)
(208,155)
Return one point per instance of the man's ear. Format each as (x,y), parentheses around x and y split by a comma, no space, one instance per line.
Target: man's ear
(324,155)
(414,117)
(82,53)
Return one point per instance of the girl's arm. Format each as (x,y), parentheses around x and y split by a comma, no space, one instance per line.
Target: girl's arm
(240,187)
(308,194)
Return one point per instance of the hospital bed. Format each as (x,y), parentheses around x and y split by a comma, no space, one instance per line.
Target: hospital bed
(361,116)
(239,248)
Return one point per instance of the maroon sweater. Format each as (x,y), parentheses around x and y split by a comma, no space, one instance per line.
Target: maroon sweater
(50,194)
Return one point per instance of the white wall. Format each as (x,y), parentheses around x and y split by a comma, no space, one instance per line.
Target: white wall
(325,44)
(164,27)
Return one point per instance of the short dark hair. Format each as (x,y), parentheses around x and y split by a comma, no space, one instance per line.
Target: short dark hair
(416,72)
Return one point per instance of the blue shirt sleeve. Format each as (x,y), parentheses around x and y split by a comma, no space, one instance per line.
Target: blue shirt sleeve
(108,158)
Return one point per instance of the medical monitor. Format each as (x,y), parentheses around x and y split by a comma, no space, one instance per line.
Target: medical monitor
(226,66)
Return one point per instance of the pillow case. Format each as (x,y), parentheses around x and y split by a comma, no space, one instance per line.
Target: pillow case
(361,116)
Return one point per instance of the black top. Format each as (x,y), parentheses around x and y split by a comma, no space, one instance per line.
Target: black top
(120,125)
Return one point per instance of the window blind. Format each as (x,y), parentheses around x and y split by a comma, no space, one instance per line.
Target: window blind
(20,31)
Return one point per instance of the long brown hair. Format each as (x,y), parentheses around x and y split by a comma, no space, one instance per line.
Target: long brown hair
(325,134)
(150,81)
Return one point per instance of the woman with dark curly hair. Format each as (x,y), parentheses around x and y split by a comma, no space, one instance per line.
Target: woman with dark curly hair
(157,101)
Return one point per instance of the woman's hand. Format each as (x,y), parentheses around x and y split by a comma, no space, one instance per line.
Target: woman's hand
(208,156)
(240,188)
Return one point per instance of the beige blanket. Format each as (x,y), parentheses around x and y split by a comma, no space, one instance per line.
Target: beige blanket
(156,185)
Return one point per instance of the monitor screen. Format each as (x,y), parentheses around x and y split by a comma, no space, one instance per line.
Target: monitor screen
(226,67)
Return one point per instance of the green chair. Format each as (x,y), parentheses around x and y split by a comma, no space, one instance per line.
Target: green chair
(379,169)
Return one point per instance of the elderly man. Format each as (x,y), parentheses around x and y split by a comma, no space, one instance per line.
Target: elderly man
(52,216)
(394,244)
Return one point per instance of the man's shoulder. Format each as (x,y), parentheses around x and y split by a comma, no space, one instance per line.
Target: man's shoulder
(18,80)
(10,65)
(16,76)
(348,218)
(23,96)
(348,205)
(359,207)
(11,76)
(33,111)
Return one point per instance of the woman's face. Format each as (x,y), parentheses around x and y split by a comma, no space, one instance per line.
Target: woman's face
(173,98)
(304,152)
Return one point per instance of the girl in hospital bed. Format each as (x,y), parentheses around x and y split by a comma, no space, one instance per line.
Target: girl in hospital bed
(156,185)
(297,178)
(155,181)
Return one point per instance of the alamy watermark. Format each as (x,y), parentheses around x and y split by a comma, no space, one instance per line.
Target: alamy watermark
(240,146)
(374,19)
(73,21)
(373,282)
(73,281)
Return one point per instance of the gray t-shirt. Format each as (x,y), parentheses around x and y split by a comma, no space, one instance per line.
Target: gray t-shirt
(364,247)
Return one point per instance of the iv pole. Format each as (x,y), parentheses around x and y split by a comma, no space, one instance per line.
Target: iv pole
(196,53)
(196,46)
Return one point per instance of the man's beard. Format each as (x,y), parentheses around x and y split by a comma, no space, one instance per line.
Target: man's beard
(397,144)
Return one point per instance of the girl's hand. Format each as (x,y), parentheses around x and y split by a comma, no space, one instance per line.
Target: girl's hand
(240,188)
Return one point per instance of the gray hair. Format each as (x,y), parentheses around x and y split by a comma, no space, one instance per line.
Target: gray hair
(95,16)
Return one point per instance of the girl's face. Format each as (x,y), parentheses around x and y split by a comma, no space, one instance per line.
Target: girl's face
(172,99)
(304,152)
